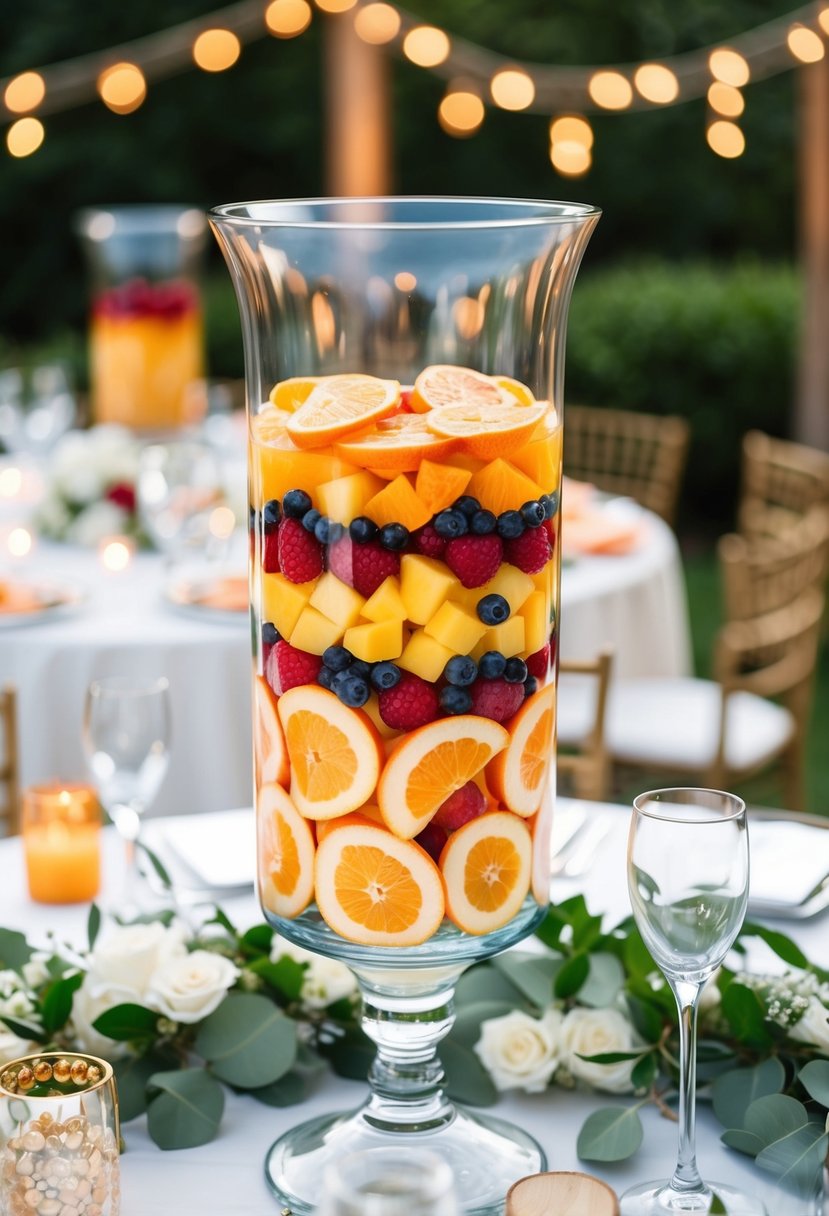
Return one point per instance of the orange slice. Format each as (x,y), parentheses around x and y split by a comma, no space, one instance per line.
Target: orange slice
(339,405)
(487,431)
(285,853)
(367,814)
(396,445)
(430,764)
(445,384)
(514,387)
(518,774)
(291,394)
(486,867)
(270,754)
(377,890)
(541,827)
(335,752)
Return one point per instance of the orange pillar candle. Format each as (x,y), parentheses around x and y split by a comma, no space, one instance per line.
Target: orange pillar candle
(61,840)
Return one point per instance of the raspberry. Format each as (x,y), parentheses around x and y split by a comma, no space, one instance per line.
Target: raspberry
(432,839)
(496,699)
(411,703)
(427,542)
(550,528)
(363,567)
(300,555)
(288,667)
(270,552)
(538,664)
(474,559)
(466,803)
(530,551)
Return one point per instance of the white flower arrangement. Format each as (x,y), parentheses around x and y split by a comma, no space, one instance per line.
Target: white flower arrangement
(90,487)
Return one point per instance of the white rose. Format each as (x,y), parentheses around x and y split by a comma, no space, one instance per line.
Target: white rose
(93,998)
(81,485)
(96,522)
(9,982)
(813,1027)
(520,1052)
(11,1047)
(188,989)
(325,980)
(35,972)
(593,1032)
(128,955)
(18,1005)
(52,514)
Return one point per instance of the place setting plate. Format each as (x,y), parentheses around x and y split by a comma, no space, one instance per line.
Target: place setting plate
(789,864)
(36,601)
(218,597)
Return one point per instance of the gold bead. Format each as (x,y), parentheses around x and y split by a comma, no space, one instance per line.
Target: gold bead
(43,1072)
(78,1071)
(7,1079)
(62,1070)
(25,1078)
(94,1075)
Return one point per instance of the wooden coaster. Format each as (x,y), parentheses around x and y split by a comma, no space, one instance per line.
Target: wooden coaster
(561,1194)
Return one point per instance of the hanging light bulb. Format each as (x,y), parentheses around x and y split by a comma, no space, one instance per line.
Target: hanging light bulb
(24,92)
(805,44)
(729,66)
(288,18)
(571,128)
(377,23)
(461,112)
(122,87)
(335,6)
(725,99)
(726,139)
(216,50)
(610,90)
(570,158)
(427,46)
(512,89)
(24,136)
(656,83)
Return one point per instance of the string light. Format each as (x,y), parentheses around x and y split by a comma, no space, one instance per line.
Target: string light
(122,87)
(512,89)
(729,66)
(570,158)
(656,83)
(288,18)
(571,128)
(335,6)
(377,23)
(610,90)
(24,137)
(427,46)
(25,92)
(19,542)
(725,99)
(726,139)
(805,44)
(216,50)
(823,20)
(115,553)
(461,112)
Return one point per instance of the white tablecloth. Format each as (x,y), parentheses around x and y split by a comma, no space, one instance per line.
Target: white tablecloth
(225,1178)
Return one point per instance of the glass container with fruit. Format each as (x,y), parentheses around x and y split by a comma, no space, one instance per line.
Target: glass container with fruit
(404,367)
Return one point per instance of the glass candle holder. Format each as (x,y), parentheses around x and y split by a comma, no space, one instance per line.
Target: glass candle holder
(61,829)
(60,1135)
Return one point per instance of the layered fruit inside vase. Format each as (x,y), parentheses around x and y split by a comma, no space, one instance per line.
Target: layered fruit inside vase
(404,592)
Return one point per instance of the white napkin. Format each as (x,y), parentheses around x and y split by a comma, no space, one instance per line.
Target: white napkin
(218,851)
(788,860)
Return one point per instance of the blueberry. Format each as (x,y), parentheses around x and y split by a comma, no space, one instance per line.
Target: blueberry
(461,671)
(337,658)
(352,690)
(296,503)
(270,634)
(450,523)
(532,513)
(310,519)
(467,505)
(385,675)
(326,677)
(493,609)
(394,537)
(491,665)
(455,700)
(362,529)
(270,515)
(360,669)
(515,671)
(510,525)
(530,685)
(323,528)
(549,504)
(482,523)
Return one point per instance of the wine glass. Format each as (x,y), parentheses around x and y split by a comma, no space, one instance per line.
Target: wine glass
(35,408)
(179,484)
(688,881)
(126,735)
(389,1182)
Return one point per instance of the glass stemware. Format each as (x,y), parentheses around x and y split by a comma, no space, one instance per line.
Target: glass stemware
(389,1182)
(688,870)
(36,408)
(179,484)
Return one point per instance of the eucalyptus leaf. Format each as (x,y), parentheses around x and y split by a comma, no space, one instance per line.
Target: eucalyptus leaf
(285,976)
(131,1076)
(782,946)
(351,1055)
(571,976)
(290,1089)
(814,1077)
(157,864)
(635,955)
(645,1072)
(717,1208)
(467,1026)
(744,1010)
(247,1041)
(610,1134)
(532,974)
(308,1060)
(14,950)
(550,929)
(466,1078)
(56,1004)
(185,1108)
(797,1159)
(127,1022)
(486,983)
(742,1141)
(258,938)
(611,1057)
(774,1117)
(646,1018)
(734,1092)
(93,925)
(605,979)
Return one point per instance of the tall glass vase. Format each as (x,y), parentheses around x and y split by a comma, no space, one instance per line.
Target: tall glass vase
(404,369)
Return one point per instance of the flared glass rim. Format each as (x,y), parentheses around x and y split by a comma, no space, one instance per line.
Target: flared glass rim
(82,1090)
(529,213)
(642,803)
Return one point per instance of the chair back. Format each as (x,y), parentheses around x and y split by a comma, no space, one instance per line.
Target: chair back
(640,456)
(587,767)
(763,573)
(9,784)
(780,482)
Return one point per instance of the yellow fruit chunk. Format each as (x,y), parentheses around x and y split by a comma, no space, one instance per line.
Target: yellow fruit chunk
(540,459)
(438,485)
(444,384)
(397,503)
(335,752)
(536,622)
(337,601)
(292,393)
(285,854)
(499,486)
(431,763)
(456,628)
(508,637)
(278,465)
(339,406)
(283,601)
(424,584)
(518,774)
(424,656)
(516,389)
(375,642)
(387,603)
(314,632)
(487,430)
(345,498)
(270,753)
(513,584)
(376,890)
(486,867)
(396,445)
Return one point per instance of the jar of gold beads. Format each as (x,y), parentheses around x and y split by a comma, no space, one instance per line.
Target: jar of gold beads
(59,1137)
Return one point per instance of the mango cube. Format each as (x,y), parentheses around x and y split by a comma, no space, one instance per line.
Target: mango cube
(282,601)
(375,642)
(424,656)
(500,486)
(536,618)
(456,628)
(314,632)
(508,637)
(438,485)
(345,498)
(541,458)
(513,584)
(424,585)
(387,603)
(337,601)
(397,503)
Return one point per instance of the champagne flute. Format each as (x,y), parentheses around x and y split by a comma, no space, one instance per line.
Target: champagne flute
(688,881)
(389,1181)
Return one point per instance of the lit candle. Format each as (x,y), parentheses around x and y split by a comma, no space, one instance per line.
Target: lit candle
(116,553)
(61,840)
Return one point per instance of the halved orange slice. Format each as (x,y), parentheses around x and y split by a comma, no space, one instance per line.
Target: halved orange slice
(541,827)
(486,867)
(445,384)
(487,431)
(340,405)
(292,393)
(285,853)
(517,775)
(430,764)
(367,814)
(514,387)
(396,445)
(270,753)
(377,890)
(335,752)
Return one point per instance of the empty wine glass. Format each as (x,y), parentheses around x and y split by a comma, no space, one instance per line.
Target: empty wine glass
(126,736)
(179,484)
(35,409)
(688,882)
(389,1182)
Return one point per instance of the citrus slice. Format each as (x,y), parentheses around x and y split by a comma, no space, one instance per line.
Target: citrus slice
(541,828)
(367,814)
(486,867)
(285,853)
(514,387)
(445,384)
(396,445)
(292,393)
(518,774)
(335,752)
(430,764)
(339,405)
(487,431)
(270,754)
(377,890)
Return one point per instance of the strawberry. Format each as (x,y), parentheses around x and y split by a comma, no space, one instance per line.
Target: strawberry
(300,554)
(474,559)
(287,667)
(363,567)
(432,839)
(496,699)
(270,552)
(466,803)
(411,703)
(538,664)
(530,551)
(427,542)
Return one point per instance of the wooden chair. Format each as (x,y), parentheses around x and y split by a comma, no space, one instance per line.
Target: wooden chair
(582,698)
(762,573)
(641,456)
(781,481)
(10,806)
